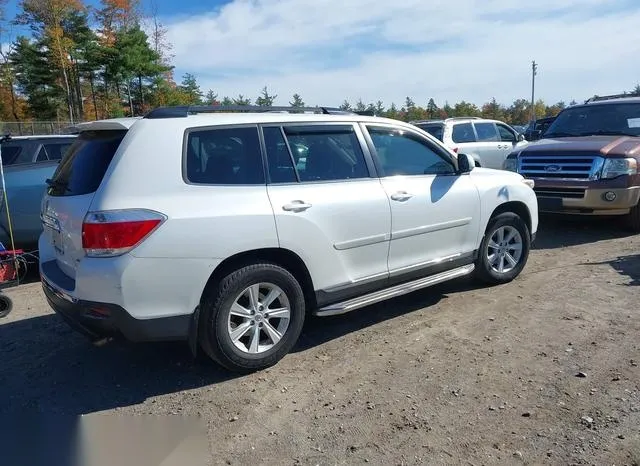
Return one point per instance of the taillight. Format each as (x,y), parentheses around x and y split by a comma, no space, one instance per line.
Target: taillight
(455,149)
(116,232)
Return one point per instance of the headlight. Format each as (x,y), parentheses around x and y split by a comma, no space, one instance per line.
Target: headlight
(510,164)
(617,167)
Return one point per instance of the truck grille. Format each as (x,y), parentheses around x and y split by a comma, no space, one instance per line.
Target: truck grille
(574,166)
(567,193)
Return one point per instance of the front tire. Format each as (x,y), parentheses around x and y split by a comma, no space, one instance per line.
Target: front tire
(504,250)
(633,219)
(252,318)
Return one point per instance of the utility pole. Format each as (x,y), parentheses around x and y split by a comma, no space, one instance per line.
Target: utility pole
(534,72)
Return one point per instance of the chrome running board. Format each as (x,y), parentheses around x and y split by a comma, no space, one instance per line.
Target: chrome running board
(393,292)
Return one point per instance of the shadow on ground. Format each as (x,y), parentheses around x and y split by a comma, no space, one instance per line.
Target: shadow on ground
(48,368)
(628,266)
(561,231)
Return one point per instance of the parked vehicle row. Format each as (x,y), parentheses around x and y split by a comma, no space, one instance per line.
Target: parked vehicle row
(227,229)
(242,223)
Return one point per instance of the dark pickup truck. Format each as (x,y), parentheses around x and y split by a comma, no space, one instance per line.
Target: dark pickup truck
(586,163)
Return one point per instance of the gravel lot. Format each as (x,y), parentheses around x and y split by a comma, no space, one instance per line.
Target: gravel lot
(541,371)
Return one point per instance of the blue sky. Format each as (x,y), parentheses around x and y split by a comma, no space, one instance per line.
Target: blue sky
(451,50)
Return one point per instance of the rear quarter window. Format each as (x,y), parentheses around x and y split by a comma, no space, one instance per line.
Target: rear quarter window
(85,163)
(224,156)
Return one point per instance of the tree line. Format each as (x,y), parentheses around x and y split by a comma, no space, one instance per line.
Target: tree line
(83,63)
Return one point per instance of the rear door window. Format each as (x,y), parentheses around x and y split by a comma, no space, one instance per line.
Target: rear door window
(486,132)
(463,132)
(326,153)
(88,159)
(224,156)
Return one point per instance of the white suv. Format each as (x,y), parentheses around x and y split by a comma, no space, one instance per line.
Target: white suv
(225,229)
(489,142)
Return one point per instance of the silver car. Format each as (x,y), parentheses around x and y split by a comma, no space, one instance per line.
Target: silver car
(489,142)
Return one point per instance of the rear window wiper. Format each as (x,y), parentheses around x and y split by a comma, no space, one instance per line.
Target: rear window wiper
(64,185)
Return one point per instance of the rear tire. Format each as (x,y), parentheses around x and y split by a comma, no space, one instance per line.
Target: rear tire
(504,249)
(252,318)
(633,219)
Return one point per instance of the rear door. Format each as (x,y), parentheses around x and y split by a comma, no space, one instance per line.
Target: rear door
(328,208)
(71,191)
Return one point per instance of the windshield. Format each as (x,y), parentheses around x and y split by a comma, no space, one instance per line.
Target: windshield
(435,130)
(605,119)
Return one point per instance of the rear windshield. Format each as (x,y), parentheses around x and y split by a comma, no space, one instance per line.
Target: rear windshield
(85,163)
(434,130)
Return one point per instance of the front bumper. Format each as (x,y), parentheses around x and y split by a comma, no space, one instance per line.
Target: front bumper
(102,320)
(587,201)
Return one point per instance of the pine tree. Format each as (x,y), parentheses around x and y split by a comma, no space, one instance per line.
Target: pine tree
(265,99)
(191,90)
(297,101)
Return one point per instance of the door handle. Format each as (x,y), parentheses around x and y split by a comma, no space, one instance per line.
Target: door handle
(296,206)
(401,196)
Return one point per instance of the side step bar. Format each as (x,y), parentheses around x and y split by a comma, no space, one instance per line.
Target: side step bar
(393,292)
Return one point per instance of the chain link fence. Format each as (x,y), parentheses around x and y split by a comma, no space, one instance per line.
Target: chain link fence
(31,128)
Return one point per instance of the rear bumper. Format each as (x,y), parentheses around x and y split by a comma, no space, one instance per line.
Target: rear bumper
(592,202)
(101,320)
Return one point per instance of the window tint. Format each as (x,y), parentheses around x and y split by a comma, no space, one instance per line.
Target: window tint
(229,156)
(11,154)
(434,130)
(281,169)
(52,151)
(325,153)
(87,160)
(405,154)
(505,134)
(463,132)
(486,132)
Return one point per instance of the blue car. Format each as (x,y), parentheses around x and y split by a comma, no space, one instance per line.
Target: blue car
(27,161)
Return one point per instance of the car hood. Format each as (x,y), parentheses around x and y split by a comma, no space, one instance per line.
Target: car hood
(627,146)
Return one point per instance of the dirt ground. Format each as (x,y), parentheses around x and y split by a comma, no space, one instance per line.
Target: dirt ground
(541,371)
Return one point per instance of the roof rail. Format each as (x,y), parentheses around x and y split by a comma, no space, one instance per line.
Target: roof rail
(597,98)
(184,110)
(465,118)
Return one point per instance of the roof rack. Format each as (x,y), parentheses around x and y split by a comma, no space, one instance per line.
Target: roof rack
(185,110)
(598,98)
(465,118)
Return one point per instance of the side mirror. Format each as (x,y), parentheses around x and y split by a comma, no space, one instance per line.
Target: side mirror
(520,137)
(466,163)
(535,135)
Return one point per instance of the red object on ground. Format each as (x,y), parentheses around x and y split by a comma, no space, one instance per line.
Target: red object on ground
(8,270)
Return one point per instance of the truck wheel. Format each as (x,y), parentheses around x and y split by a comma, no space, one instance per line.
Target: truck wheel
(633,219)
(504,250)
(252,318)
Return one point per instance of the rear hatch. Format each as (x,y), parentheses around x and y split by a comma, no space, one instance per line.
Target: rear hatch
(71,191)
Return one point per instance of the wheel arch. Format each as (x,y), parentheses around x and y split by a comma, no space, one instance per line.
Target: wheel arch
(279,256)
(517,207)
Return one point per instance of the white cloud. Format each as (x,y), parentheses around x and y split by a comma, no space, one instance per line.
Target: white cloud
(329,50)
